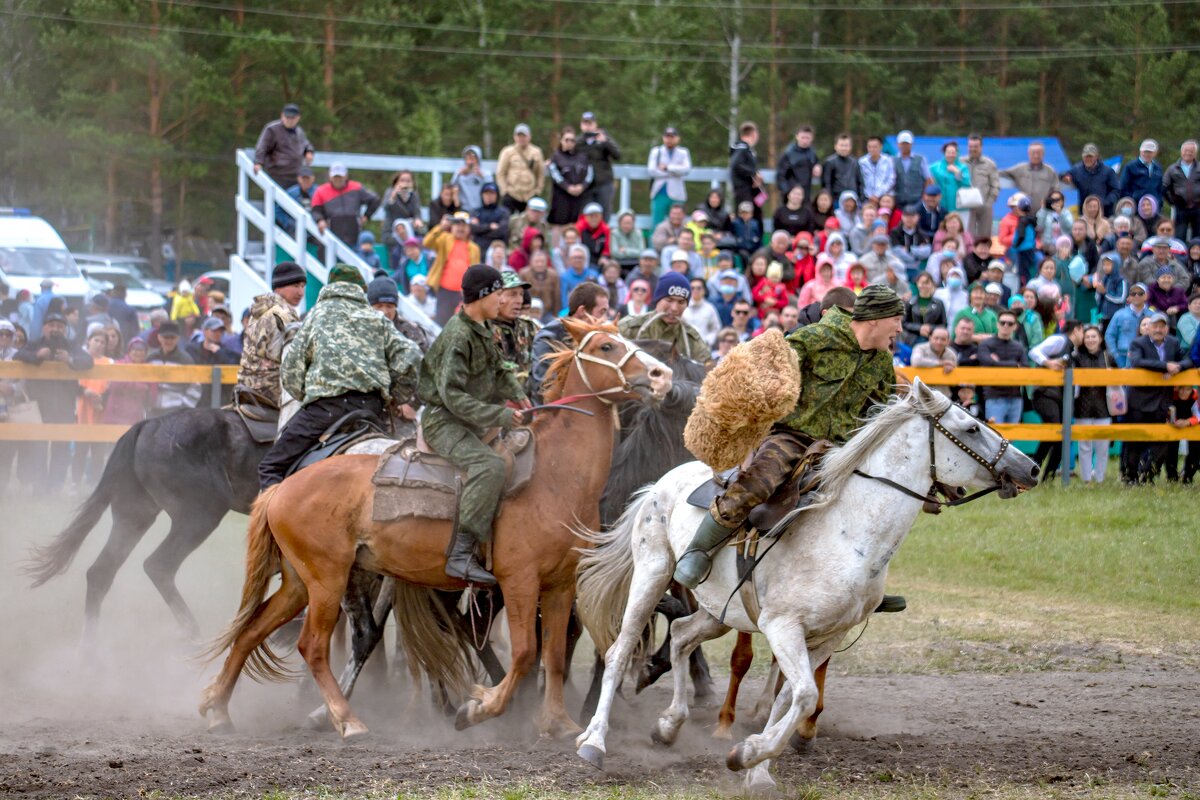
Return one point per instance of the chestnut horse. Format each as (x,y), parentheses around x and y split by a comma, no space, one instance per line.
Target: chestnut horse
(316,525)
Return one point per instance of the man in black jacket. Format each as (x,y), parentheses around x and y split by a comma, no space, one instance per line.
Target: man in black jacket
(490,222)
(1091,176)
(743,168)
(602,151)
(1181,188)
(1002,404)
(798,165)
(283,147)
(55,399)
(840,171)
(1160,352)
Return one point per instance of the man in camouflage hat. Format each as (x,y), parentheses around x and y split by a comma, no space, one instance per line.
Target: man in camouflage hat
(665,322)
(344,273)
(345,357)
(514,333)
(465,381)
(845,367)
(262,348)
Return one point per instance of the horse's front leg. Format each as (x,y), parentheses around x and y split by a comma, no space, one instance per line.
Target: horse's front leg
(686,635)
(521,600)
(553,720)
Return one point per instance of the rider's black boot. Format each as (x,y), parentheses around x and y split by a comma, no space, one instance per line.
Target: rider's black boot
(694,564)
(891,604)
(462,562)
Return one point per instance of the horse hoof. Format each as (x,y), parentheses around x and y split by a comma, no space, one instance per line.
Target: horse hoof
(221,727)
(723,732)
(463,720)
(759,785)
(317,720)
(658,737)
(353,730)
(800,744)
(736,760)
(592,755)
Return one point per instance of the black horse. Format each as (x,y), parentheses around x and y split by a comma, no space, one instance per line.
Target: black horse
(196,465)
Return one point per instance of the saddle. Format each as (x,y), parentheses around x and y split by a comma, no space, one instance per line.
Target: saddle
(413,481)
(347,431)
(258,413)
(793,493)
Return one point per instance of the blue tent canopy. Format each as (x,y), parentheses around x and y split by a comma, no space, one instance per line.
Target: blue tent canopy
(1005,151)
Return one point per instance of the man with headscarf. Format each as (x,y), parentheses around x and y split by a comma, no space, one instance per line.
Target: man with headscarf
(845,367)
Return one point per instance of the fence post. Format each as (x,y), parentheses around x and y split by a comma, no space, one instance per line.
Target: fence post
(1068,418)
(216,387)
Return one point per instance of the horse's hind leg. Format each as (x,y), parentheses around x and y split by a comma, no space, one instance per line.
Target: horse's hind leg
(739,665)
(686,635)
(651,574)
(771,688)
(324,605)
(131,520)
(189,529)
(272,613)
(367,603)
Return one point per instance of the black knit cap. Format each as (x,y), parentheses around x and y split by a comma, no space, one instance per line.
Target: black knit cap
(286,273)
(877,302)
(479,281)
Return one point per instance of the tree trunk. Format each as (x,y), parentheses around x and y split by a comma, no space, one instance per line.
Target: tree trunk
(110,188)
(154,131)
(327,61)
(181,207)
(962,68)
(556,73)
(1002,80)
(239,79)
(1041,102)
(772,89)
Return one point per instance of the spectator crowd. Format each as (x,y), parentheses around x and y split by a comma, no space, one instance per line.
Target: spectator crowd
(1092,267)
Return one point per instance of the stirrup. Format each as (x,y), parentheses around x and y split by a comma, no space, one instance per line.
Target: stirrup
(891,604)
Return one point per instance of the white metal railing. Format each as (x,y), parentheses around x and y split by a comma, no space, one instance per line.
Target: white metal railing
(441,169)
(243,287)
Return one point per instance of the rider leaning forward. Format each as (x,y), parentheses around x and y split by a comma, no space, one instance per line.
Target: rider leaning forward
(465,382)
(665,322)
(845,368)
(262,349)
(346,356)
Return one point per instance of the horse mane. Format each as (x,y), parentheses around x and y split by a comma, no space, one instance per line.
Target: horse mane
(560,361)
(839,463)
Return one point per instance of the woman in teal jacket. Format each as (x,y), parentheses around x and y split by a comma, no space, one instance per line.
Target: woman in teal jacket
(951,175)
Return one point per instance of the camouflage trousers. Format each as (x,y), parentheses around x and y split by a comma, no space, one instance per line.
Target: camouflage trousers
(483,479)
(772,464)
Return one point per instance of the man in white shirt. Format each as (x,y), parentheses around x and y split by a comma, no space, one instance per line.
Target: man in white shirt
(668,164)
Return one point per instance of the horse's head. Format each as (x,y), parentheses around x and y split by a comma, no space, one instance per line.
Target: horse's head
(968,451)
(610,366)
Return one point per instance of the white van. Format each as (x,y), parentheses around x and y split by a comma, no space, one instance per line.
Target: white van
(31,251)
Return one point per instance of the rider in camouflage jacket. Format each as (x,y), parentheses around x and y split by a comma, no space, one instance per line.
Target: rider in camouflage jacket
(346,357)
(262,348)
(840,379)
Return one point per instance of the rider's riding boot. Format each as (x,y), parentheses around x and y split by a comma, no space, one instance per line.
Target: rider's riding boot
(891,604)
(462,562)
(694,564)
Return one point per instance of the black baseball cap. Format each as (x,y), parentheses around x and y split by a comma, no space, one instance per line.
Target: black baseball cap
(291,110)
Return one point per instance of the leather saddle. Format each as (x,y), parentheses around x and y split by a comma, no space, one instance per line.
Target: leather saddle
(347,431)
(258,413)
(793,493)
(413,481)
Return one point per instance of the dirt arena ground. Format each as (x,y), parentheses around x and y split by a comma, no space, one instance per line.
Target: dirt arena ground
(118,719)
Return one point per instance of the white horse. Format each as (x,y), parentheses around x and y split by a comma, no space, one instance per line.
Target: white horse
(824,576)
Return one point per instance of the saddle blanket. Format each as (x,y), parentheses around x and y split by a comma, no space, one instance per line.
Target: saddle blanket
(410,482)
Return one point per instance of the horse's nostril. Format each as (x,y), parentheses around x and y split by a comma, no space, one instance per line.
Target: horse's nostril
(1036,471)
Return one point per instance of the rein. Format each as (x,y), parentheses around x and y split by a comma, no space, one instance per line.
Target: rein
(579,357)
(930,498)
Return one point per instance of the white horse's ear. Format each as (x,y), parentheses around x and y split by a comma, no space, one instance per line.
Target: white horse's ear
(920,391)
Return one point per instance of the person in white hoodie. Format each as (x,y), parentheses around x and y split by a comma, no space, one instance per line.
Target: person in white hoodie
(839,255)
(954,294)
(848,212)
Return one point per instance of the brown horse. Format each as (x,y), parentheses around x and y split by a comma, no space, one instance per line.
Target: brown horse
(315,526)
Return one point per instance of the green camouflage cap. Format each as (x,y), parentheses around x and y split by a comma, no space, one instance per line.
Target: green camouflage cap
(877,302)
(512,280)
(344,273)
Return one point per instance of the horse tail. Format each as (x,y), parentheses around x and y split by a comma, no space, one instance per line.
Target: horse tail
(431,637)
(262,562)
(605,572)
(53,558)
